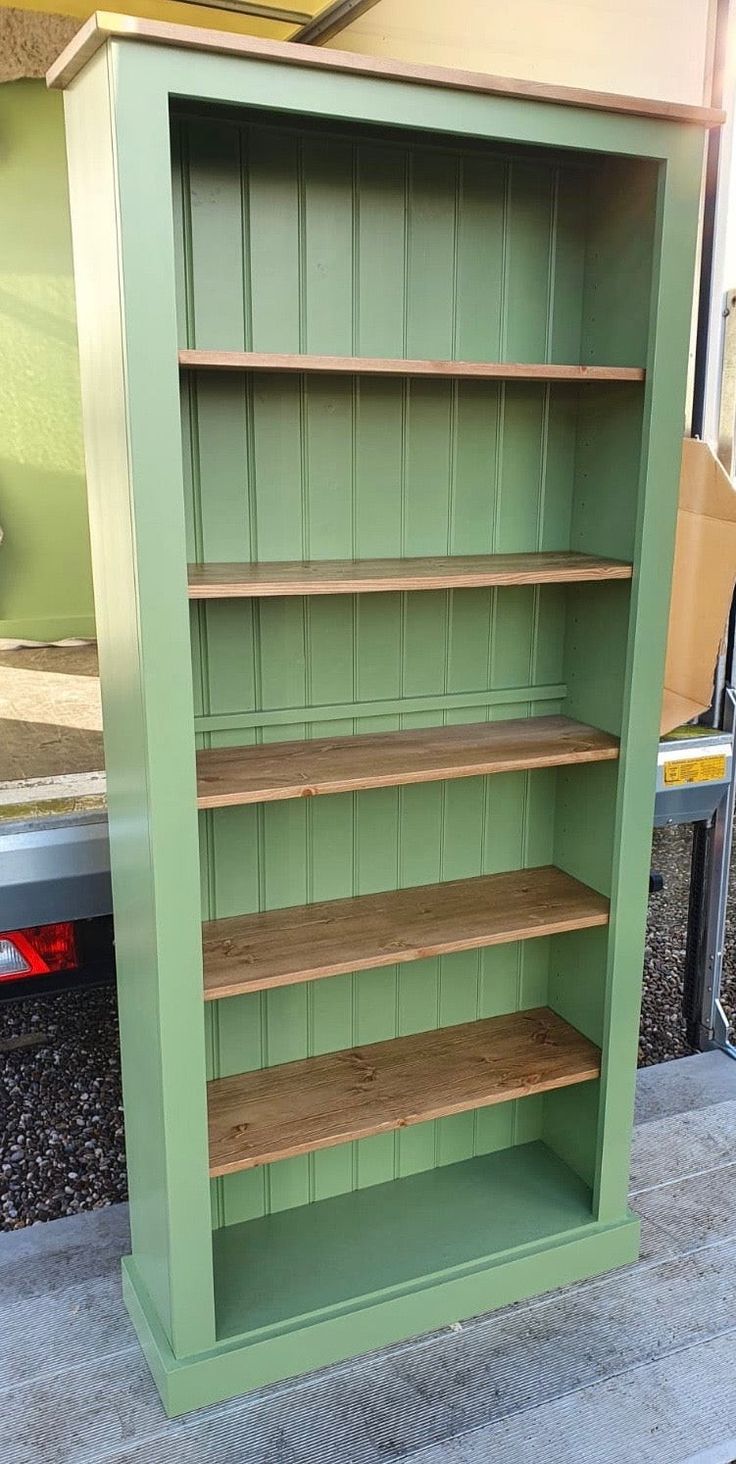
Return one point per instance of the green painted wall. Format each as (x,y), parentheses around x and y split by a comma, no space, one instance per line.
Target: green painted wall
(45,576)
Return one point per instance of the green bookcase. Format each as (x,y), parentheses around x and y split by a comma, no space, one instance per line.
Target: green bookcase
(395,362)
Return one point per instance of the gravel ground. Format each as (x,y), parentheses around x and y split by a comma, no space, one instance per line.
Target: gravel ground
(61,1137)
(61,1144)
(662,1033)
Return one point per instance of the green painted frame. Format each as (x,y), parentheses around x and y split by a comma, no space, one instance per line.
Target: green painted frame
(117,117)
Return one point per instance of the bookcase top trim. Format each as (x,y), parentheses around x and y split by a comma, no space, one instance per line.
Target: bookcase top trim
(104,26)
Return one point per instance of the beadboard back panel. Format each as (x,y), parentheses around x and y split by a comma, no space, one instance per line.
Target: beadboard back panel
(308,240)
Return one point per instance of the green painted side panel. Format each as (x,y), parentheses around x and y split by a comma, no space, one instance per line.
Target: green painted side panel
(626,480)
(126,318)
(675,193)
(246,228)
(45,578)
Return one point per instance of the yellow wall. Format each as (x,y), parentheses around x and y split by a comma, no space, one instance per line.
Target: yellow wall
(655,48)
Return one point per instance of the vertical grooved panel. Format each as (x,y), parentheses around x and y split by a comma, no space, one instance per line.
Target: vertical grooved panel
(215,215)
(528,260)
(322,242)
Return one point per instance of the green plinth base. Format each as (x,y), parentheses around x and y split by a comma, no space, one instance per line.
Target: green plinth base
(386,1263)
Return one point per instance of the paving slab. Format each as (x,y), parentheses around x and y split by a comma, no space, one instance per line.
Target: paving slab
(651,1415)
(389,1406)
(634,1365)
(685,1084)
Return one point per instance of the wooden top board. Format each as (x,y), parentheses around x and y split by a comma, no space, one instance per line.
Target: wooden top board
(367,576)
(297,1107)
(105,26)
(234,775)
(306,942)
(396,366)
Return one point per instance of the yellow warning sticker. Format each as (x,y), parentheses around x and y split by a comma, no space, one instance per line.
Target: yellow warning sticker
(695,770)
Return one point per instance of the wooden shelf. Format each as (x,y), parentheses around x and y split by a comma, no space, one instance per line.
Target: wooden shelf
(369,576)
(235,775)
(247,953)
(393,366)
(298,1107)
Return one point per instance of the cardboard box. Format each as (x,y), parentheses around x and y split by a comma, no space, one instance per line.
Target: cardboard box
(702,584)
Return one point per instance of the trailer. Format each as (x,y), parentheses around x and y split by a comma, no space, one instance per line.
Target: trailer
(55,895)
(54,862)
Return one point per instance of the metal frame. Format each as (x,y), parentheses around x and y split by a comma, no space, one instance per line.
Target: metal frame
(709,807)
(265,12)
(707,1023)
(329,19)
(708,1026)
(334,19)
(54,868)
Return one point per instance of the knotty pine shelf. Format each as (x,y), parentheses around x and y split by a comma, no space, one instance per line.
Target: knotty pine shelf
(246,953)
(369,576)
(199,360)
(227,776)
(298,1107)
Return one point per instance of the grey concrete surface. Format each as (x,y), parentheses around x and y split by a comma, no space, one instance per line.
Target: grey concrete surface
(638,1365)
(687,1083)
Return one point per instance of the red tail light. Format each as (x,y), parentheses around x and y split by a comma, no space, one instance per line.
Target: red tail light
(37,950)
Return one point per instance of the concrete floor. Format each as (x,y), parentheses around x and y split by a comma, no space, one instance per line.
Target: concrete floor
(637,1366)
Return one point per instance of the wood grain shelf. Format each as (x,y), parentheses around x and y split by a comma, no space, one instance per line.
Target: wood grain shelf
(369,576)
(264,774)
(197,360)
(246,953)
(298,1107)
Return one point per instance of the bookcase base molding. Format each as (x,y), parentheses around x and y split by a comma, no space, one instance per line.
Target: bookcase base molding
(385,1264)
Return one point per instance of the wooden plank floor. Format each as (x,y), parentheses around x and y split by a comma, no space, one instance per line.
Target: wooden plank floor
(256,1118)
(232,775)
(200,360)
(369,576)
(306,942)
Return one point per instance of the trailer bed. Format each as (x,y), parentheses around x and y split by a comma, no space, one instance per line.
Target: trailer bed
(54,852)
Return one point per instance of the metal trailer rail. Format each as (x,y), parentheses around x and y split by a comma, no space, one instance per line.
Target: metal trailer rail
(54,851)
(696,785)
(709,803)
(54,869)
